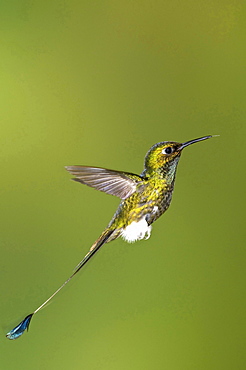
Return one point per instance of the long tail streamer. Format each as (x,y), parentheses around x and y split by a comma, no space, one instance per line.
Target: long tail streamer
(18,330)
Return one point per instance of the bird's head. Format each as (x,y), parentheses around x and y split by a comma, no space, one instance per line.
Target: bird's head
(162,158)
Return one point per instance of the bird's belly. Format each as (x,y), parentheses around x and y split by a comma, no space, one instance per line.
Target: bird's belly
(136,231)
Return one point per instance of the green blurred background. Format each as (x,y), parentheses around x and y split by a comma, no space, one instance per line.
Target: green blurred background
(98,83)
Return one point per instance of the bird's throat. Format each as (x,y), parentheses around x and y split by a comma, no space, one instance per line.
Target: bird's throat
(168,172)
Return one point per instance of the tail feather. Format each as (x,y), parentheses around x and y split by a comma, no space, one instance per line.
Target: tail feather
(107,235)
(103,238)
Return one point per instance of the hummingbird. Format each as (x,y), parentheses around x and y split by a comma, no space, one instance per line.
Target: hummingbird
(144,198)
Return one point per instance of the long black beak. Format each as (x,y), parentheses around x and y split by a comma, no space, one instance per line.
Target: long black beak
(195,141)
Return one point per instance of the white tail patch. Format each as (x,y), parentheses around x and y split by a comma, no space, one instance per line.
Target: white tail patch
(136,231)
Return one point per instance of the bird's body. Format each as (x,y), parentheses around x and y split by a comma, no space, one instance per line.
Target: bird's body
(149,201)
(144,198)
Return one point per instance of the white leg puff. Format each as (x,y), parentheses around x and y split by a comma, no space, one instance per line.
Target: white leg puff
(136,231)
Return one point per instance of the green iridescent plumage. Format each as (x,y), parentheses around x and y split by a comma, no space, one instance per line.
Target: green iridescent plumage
(144,198)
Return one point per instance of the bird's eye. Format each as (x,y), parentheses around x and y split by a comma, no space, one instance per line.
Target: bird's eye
(167,150)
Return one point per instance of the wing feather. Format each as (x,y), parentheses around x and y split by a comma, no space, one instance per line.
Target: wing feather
(120,184)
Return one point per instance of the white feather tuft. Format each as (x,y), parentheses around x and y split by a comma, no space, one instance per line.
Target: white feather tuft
(136,231)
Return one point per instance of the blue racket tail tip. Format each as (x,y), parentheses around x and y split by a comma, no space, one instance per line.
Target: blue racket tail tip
(20,328)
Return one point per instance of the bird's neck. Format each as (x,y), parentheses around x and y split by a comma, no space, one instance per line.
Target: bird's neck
(166,173)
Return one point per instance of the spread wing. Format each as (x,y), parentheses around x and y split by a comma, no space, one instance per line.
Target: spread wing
(120,184)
